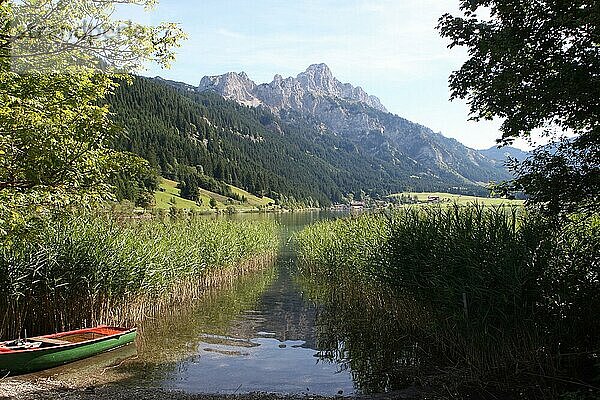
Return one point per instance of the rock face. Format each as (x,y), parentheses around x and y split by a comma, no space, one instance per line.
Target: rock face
(232,86)
(348,111)
(315,84)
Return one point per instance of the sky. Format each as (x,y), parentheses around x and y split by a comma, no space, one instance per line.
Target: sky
(388,47)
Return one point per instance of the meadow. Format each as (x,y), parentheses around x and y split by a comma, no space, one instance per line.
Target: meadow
(169,195)
(450,198)
(498,298)
(84,270)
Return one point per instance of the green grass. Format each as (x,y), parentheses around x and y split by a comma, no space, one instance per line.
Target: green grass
(252,199)
(460,199)
(169,196)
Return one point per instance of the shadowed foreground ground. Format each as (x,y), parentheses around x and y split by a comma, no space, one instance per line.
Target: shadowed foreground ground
(48,389)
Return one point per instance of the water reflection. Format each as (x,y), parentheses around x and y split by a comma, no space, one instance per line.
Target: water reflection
(269,331)
(105,367)
(365,334)
(267,364)
(257,335)
(173,339)
(268,344)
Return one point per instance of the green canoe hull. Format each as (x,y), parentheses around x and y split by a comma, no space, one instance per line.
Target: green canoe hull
(23,362)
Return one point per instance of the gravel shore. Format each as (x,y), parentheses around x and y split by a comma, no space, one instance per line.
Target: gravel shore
(49,389)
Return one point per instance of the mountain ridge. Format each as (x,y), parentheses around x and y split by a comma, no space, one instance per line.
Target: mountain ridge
(309,139)
(352,113)
(289,92)
(503,153)
(204,140)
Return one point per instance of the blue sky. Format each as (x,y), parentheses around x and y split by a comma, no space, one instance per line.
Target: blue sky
(388,47)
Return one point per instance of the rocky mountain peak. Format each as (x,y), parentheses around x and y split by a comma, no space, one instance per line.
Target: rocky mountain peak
(231,85)
(318,78)
(317,82)
(347,115)
(228,80)
(319,69)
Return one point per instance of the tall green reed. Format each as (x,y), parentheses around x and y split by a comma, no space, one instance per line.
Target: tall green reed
(506,294)
(83,270)
(347,246)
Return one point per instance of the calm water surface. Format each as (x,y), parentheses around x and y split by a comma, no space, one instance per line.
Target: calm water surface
(262,333)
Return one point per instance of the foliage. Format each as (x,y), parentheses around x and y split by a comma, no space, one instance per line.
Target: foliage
(54,129)
(533,64)
(77,266)
(137,185)
(563,177)
(505,292)
(53,135)
(536,65)
(47,36)
(192,181)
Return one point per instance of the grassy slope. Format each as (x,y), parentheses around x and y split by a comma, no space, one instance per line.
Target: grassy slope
(252,199)
(460,199)
(170,192)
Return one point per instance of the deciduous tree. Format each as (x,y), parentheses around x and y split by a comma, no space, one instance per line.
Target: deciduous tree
(536,66)
(58,60)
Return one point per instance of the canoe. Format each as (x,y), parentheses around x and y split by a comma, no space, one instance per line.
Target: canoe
(22,356)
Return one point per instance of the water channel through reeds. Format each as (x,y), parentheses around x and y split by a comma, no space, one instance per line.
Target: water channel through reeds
(279,330)
(257,332)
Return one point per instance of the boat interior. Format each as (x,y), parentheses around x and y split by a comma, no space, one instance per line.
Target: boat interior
(67,339)
(59,339)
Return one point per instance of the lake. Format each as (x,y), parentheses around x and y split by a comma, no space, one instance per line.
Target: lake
(268,331)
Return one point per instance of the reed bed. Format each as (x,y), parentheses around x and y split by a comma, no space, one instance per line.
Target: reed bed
(84,270)
(347,247)
(506,295)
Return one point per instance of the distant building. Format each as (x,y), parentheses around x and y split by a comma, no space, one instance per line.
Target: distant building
(357,205)
(433,199)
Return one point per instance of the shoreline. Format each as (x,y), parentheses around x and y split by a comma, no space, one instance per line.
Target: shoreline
(20,388)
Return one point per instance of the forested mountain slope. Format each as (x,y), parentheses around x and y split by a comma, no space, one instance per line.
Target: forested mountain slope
(193,137)
(361,119)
